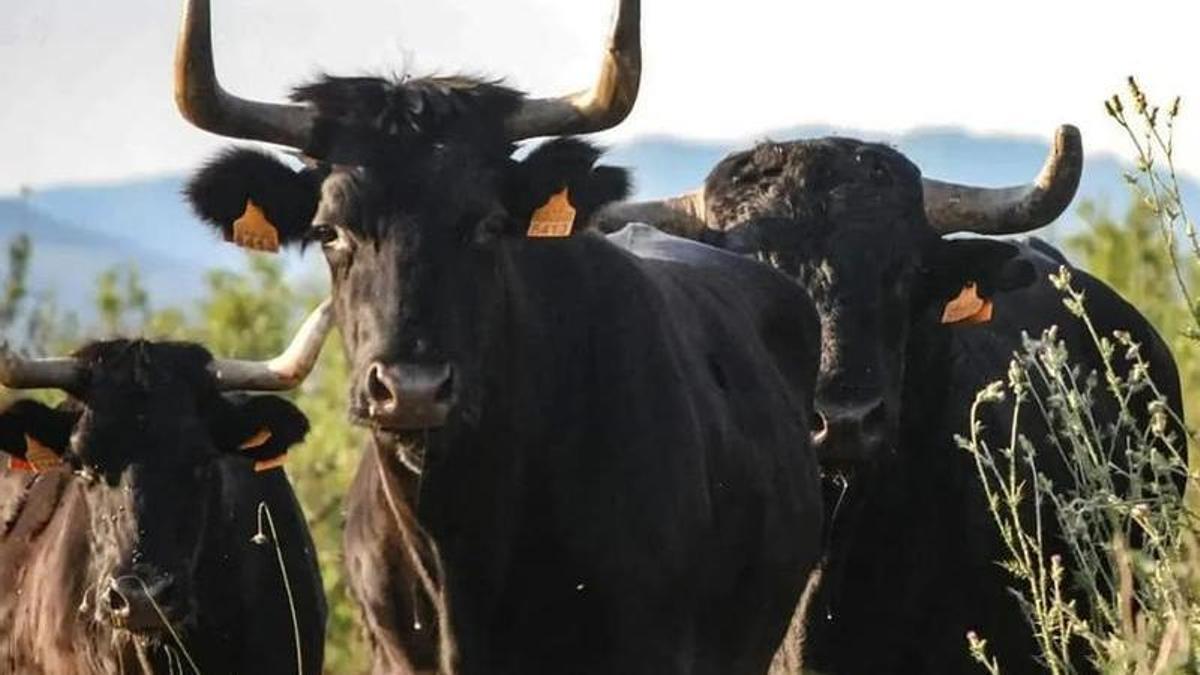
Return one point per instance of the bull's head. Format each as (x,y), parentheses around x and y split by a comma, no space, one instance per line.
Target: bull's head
(413,196)
(143,430)
(856,225)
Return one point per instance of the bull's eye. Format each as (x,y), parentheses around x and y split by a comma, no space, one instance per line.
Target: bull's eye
(323,234)
(489,229)
(877,169)
(880,174)
(334,239)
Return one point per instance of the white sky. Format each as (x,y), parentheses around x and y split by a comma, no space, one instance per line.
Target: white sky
(85,87)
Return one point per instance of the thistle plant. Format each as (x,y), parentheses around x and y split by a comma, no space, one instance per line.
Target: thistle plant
(1105,561)
(1155,179)
(1114,579)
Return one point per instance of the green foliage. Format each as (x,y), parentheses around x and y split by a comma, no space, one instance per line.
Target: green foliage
(14,291)
(121,299)
(1129,255)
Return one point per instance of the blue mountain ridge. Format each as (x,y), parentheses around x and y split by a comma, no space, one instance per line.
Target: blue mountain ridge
(78,231)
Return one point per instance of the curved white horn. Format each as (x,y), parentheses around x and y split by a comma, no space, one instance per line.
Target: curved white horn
(286,371)
(950,207)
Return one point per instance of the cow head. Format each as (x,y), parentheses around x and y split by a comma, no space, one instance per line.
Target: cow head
(855,224)
(142,431)
(413,195)
(414,250)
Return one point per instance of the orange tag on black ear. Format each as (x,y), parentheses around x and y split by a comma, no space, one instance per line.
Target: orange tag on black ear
(18,464)
(38,456)
(268,464)
(967,308)
(254,231)
(256,441)
(555,218)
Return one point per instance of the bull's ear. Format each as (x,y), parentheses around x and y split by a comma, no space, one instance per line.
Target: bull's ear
(966,274)
(255,199)
(564,169)
(261,428)
(34,436)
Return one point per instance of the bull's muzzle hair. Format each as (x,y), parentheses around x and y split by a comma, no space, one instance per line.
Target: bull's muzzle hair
(283,372)
(949,207)
(205,103)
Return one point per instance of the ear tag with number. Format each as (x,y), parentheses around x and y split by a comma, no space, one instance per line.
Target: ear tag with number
(967,308)
(253,231)
(555,218)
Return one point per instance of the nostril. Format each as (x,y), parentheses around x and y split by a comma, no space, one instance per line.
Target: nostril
(377,388)
(116,601)
(817,424)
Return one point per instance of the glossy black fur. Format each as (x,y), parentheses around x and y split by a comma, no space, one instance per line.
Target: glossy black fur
(912,558)
(153,483)
(623,483)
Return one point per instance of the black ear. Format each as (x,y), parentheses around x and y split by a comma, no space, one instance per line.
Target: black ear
(565,163)
(35,435)
(991,265)
(261,428)
(219,192)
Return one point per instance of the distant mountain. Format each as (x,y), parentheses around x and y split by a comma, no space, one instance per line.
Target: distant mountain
(67,259)
(80,231)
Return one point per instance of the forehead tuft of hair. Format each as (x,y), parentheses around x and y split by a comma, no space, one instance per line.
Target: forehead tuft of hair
(218,192)
(362,119)
(566,163)
(145,363)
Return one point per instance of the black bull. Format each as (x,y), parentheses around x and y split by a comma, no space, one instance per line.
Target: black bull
(912,560)
(619,477)
(137,530)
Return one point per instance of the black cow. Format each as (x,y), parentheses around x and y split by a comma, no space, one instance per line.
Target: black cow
(149,535)
(615,471)
(911,566)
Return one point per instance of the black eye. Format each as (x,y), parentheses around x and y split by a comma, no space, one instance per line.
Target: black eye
(880,174)
(323,234)
(489,228)
(877,169)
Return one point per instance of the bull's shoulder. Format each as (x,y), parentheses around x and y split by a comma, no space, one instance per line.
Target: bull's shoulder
(29,502)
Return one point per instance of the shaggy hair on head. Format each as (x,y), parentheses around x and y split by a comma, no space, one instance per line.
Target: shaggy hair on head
(362,119)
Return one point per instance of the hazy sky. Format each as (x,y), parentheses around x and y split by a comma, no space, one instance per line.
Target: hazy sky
(85,87)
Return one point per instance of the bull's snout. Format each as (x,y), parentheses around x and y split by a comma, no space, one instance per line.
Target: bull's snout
(409,396)
(855,432)
(141,603)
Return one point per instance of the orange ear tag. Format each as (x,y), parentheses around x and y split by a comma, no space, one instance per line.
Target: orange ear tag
(38,456)
(254,231)
(268,464)
(555,218)
(256,441)
(18,464)
(968,308)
